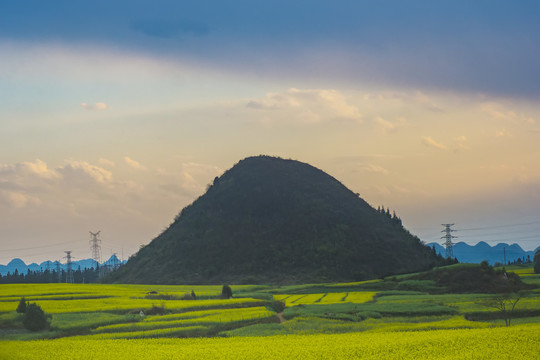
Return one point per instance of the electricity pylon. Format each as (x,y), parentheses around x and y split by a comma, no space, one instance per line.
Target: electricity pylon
(448,240)
(69,274)
(96,248)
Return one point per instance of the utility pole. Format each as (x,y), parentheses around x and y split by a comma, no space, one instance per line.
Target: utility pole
(96,248)
(448,240)
(504,253)
(69,274)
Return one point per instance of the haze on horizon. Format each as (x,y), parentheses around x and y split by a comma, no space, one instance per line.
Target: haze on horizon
(115,116)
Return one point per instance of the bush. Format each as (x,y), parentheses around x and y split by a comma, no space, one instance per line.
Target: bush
(278,306)
(369,314)
(156,310)
(35,319)
(188,296)
(21,308)
(226,292)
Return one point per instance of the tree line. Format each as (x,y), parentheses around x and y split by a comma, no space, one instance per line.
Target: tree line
(80,276)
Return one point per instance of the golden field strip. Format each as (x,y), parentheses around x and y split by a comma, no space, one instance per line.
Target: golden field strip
(327,298)
(518,342)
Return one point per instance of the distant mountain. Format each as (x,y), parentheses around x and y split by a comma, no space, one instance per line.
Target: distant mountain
(274,220)
(466,253)
(21,267)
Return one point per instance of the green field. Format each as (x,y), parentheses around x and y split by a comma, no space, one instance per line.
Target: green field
(370,318)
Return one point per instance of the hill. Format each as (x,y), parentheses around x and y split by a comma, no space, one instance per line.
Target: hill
(273,220)
(21,267)
(482,251)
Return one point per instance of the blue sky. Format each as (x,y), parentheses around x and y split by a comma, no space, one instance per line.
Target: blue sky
(428,107)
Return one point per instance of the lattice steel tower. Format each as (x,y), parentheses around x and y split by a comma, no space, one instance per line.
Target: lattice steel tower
(58,271)
(69,273)
(448,240)
(96,248)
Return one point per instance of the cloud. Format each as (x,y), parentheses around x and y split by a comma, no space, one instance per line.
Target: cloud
(428,141)
(134,164)
(190,178)
(17,200)
(28,168)
(106,162)
(82,172)
(500,133)
(349,42)
(499,111)
(372,168)
(461,143)
(34,183)
(389,127)
(96,106)
(308,105)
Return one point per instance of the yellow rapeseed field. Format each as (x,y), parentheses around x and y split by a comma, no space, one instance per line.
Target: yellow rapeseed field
(516,342)
(356,297)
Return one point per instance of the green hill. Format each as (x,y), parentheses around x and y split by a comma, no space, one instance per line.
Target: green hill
(277,221)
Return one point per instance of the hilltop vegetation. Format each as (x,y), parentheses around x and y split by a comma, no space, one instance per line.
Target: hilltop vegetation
(270,220)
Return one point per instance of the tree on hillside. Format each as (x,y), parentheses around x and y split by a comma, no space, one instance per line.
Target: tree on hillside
(35,318)
(21,308)
(226,292)
(505,304)
(536,260)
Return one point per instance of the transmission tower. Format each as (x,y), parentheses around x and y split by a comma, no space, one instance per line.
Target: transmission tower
(96,248)
(448,240)
(58,271)
(69,274)
(114,261)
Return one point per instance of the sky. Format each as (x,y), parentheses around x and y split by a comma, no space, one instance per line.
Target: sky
(117,114)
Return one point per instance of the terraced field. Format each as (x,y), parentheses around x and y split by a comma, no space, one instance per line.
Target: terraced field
(520,342)
(327,298)
(363,319)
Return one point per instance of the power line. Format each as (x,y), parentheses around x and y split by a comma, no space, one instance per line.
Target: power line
(501,226)
(40,247)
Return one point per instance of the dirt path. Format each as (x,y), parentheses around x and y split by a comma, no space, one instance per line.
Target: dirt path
(281,317)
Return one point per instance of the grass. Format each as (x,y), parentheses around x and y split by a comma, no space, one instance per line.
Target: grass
(70,322)
(395,304)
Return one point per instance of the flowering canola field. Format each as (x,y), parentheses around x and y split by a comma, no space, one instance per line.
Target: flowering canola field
(356,297)
(516,342)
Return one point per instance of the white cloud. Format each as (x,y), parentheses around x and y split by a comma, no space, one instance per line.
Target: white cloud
(28,168)
(81,171)
(96,106)
(428,141)
(308,105)
(134,163)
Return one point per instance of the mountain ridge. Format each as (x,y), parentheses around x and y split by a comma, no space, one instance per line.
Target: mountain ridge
(483,251)
(22,267)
